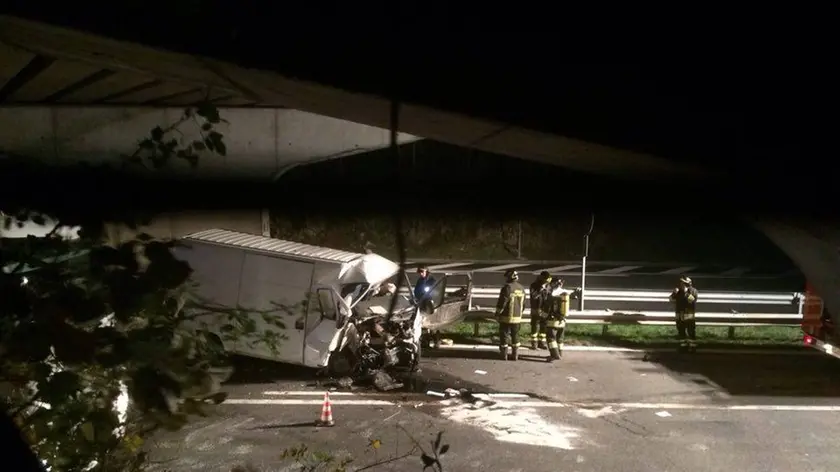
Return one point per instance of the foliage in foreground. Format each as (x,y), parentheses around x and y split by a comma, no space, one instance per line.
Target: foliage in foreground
(86,324)
(302,459)
(103,342)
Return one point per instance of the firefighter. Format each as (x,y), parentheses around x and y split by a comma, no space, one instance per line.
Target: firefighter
(556,308)
(509,310)
(684,298)
(539,293)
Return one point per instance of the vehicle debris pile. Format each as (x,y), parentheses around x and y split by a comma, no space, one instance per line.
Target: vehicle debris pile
(380,348)
(387,347)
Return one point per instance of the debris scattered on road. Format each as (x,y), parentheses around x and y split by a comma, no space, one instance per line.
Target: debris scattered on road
(384,382)
(663,414)
(446,342)
(436,394)
(343,383)
(452,392)
(481,372)
(418,405)
(571,379)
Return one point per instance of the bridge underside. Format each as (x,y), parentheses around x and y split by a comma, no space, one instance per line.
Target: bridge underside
(48,66)
(260,143)
(45,65)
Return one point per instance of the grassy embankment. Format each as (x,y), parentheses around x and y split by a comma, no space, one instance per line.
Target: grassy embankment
(636,335)
(651,238)
(615,238)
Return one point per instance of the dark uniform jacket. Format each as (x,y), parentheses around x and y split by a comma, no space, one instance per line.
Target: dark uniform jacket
(539,295)
(685,300)
(507,308)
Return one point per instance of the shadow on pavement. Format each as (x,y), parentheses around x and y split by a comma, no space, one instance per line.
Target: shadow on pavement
(435,380)
(525,355)
(459,354)
(256,371)
(283,426)
(769,375)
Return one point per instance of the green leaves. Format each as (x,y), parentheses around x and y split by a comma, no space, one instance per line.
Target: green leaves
(215,143)
(95,318)
(61,385)
(163,144)
(209,113)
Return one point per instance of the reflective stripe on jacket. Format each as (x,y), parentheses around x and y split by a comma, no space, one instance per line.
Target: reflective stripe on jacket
(558,309)
(511,303)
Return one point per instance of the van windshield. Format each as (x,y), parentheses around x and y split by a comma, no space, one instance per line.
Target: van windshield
(355,291)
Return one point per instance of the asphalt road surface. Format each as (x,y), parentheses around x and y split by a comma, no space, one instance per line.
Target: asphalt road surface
(594,411)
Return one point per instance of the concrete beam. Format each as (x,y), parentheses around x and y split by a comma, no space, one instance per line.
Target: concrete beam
(136,64)
(260,142)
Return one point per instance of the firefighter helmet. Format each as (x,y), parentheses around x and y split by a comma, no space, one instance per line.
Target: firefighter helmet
(544,275)
(685,280)
(511,275)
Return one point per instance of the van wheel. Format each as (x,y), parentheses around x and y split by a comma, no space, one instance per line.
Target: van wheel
(342,364)
(222,368)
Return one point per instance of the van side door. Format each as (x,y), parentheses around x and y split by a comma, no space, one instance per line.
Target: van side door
(324,322)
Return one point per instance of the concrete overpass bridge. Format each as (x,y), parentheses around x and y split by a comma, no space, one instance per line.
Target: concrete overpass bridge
(71,93)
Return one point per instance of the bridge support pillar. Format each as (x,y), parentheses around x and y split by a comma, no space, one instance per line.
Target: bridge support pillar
(814,246)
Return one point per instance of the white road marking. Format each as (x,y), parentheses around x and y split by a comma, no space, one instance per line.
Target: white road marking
(499,268)
(559,268)
(495,398)
(449,266)
(677,271)
(616,270)
(272,401)
(320,393)
(521,426)
(568,348)
(607,410)
(736,272)
(691,406)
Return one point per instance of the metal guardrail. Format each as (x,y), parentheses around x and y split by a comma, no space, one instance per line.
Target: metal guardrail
(607,317)
(660,296)
(596,268)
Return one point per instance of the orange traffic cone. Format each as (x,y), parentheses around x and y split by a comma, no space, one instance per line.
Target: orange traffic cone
(326,412)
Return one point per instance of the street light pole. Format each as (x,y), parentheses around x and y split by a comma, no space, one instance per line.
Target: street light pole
(583,261)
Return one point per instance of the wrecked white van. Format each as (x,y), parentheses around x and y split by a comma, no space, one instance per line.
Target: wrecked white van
(335,314)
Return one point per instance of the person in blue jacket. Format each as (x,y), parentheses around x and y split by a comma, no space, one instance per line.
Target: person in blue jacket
(424,284)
